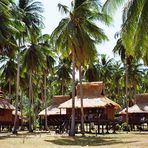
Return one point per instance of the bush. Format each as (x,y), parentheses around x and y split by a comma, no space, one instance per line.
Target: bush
(125,127)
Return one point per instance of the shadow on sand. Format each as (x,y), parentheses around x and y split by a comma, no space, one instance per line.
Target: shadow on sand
(87,141)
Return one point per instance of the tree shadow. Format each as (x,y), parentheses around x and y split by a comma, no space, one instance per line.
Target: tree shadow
(87,141)
(141,133)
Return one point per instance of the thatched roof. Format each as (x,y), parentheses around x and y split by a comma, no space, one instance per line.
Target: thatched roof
(91,89)
(89,102)
(60,99)
(137,108)
(53,110)
(141,98)
(141,105)
(4,104)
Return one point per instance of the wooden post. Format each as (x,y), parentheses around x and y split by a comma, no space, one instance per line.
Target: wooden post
(98,128)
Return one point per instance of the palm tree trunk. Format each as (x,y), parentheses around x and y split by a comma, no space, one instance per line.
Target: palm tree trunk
(62,87)
(9,89)
(10,92)
(72,128)
(30,102)
(21,110)
(17,95)
(45,99)
(126,89)
(81,97)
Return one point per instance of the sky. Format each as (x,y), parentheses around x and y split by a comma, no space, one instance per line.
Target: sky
(52,17)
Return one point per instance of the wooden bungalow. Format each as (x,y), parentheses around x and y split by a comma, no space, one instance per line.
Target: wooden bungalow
(138,113)
(98,109)
(6,112)
(55,116)
(6,109)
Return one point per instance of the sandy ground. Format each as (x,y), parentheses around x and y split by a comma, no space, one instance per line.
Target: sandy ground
(48,140)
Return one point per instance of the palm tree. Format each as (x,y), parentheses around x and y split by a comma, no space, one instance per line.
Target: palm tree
(92,73)
(117,79)
(136,72)
(77,35)
(135,27)
(44,42)
(105,68)
(9,73)
(63,73)
(29,13)
(33,60)
(6,25)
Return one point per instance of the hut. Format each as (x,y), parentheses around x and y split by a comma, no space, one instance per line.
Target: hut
(98,109)
(138,113)
(55,116)
(7,112)
(6,109)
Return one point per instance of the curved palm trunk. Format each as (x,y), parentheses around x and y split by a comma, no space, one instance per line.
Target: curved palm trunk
(126,89)
(17,95)
(45,99)
(72,128)
(81,97)
(30,103)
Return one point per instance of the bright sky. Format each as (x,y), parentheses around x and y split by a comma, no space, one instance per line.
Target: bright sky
(53,16)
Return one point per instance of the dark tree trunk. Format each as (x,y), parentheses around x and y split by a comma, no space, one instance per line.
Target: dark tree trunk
(81,97)
(72,128)
(30,103)
(17,96)
(126,88)
(45,102)
(21,109)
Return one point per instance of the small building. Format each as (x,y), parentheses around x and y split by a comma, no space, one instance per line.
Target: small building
(6,109)
(98,109)
(6,112)
(138,113)
(55,115)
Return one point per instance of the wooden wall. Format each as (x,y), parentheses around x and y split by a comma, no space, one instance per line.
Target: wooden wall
(110,113)
(5,115)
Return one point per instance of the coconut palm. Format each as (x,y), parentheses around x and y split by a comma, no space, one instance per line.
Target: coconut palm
(30,14)
(77,35)
(44,42)
(63,73)
(6,25)
(135,27)
(136,72)
(92,73)
(9,73)
(105,68)
(33,60)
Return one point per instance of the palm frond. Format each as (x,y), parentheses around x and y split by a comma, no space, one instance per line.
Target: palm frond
(111,5)
(63,8)
(130,26)
(141,34)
